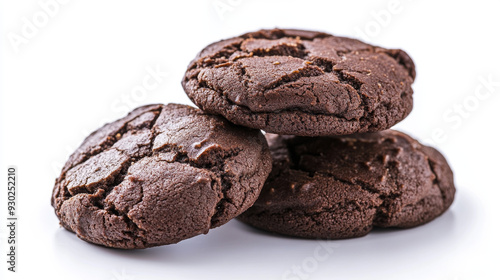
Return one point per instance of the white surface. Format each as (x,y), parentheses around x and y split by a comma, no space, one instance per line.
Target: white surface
(82,68)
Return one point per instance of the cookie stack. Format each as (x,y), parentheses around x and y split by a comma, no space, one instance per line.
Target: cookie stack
(326,168)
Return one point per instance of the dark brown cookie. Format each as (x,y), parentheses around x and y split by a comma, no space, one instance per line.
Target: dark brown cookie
(161,174)
(341,187)
(302,83)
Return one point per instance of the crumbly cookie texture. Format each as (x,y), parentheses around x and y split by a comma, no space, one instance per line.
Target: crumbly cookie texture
(302,83)
(160,175)
(342,187)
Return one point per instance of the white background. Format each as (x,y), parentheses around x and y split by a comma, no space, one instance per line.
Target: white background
(83,65)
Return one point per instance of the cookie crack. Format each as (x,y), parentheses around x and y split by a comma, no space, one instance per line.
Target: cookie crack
(349,80)
(101,192)
(217,167)
(224,57)
(275,112)
(436,180)
(225,186)
(110,141)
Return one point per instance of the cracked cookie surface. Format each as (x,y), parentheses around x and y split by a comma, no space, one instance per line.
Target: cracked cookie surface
(342,187)
(302,83)
(162,174)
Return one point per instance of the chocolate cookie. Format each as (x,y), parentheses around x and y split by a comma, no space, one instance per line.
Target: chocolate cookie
(341,187)
(161,174)
(302,83)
